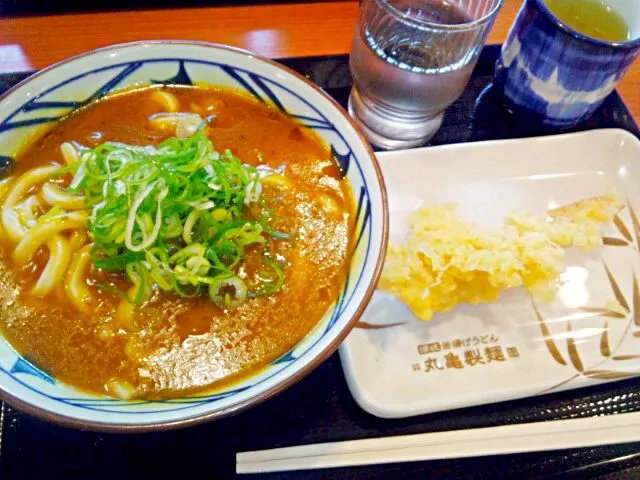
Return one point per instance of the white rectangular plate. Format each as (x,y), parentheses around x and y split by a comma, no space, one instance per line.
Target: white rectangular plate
(398,366)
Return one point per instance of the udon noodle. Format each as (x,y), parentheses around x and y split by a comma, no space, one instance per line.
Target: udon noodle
(30,198)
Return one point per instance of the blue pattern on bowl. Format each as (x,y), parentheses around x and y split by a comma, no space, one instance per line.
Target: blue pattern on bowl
(553,74)
(53,103)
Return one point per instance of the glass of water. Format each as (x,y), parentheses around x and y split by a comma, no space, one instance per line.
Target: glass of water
(410,60)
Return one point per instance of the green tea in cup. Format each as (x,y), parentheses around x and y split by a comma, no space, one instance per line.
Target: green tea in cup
(592,18)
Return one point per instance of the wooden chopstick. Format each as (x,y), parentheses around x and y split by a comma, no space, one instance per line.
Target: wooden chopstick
(526,437)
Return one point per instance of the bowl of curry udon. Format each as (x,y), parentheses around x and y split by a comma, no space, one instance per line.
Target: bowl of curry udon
(186,229)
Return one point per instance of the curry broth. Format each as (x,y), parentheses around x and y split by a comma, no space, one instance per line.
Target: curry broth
(179,345)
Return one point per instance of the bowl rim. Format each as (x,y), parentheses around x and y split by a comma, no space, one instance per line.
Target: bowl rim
(110,427)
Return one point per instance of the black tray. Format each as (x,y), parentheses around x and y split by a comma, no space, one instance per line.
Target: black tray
(320,407)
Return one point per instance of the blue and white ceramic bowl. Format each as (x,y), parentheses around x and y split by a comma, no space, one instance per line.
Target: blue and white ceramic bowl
(555,75)
(49,95)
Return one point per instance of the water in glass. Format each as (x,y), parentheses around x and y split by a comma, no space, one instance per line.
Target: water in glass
(410,60)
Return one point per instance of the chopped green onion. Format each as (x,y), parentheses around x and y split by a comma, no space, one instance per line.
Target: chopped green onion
(228,293)
(178,217)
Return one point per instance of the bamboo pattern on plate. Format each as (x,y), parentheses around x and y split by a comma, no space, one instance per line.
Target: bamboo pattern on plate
(373,326)
(628,311)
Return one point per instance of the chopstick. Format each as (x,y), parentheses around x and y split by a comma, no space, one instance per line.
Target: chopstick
(526,437)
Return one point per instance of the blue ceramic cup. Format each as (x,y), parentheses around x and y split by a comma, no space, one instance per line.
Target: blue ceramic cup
(554,75)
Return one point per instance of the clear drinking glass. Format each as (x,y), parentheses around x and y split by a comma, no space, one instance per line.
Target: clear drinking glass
(410,60)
